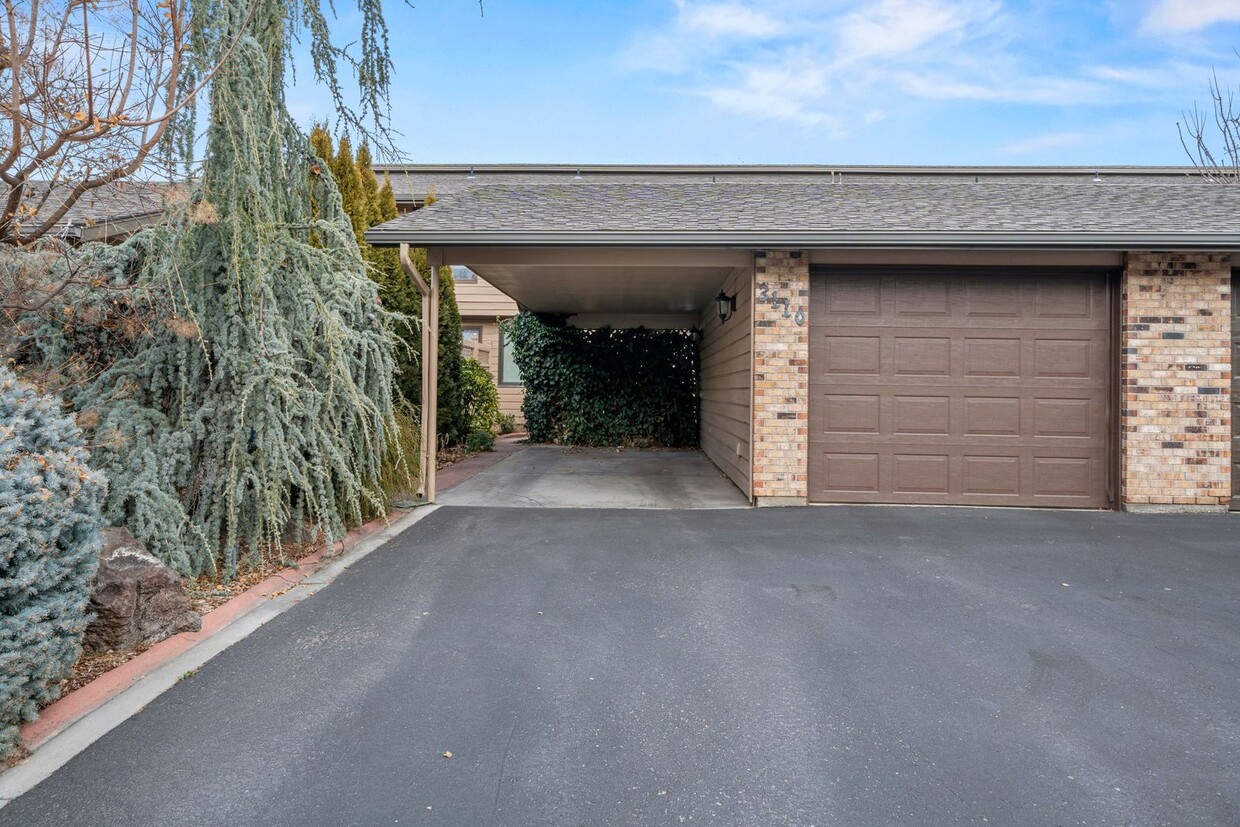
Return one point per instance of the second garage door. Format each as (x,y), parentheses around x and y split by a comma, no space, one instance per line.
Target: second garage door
(963,387)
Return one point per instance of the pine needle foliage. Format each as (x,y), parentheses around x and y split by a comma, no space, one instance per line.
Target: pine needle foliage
(270,417)
(50,523)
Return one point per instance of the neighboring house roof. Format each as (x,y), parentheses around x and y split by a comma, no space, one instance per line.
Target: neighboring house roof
(412,182)
(114,209)
(867,207)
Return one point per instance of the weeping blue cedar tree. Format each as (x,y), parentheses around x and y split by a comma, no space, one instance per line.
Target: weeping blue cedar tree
(265,408)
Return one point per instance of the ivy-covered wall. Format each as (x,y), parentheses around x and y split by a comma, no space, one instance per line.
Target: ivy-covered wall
(606,387)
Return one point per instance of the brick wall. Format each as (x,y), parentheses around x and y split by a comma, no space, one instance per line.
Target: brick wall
(780,378)
(1176,415)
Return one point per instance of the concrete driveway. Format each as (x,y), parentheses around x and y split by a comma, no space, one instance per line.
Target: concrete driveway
(539,476)
(850,666)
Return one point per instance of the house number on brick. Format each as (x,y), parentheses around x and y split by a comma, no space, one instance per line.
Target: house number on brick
(768,296)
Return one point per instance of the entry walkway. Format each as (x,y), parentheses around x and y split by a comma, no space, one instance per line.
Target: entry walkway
(549,476)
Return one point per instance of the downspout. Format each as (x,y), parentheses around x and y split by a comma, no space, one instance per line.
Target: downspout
(430,372)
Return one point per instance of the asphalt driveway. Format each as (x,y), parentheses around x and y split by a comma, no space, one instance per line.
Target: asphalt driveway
(824,666)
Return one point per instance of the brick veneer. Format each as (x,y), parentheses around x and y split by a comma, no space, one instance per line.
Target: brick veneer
(781,379)
(1176,412)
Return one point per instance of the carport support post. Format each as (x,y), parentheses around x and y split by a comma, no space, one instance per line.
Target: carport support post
(430,378)
(430,372)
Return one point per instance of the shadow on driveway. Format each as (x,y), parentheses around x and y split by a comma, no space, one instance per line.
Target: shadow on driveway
(848,666)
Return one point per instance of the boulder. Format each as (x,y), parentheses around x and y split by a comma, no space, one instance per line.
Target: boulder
(136,599)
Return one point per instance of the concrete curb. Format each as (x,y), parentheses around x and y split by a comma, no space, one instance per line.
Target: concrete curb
(77,720)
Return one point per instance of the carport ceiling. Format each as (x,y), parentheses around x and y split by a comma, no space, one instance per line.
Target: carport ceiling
(601,280)
(602,289)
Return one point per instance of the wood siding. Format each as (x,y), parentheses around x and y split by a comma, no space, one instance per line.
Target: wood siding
(482,305)
(510,396)
(479,300)
(726,389)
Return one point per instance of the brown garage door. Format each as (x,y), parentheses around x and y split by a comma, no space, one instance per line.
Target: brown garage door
(1235,397)
(960,387)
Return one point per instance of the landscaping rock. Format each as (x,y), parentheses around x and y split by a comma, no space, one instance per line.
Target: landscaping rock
(136,599)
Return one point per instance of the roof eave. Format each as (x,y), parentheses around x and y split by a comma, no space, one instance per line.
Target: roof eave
(816,239)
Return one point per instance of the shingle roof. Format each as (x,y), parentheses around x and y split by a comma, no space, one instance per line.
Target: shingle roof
(411,182)
(122,206)
(786,211)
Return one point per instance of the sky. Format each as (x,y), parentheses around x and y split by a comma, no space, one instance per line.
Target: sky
(836,82)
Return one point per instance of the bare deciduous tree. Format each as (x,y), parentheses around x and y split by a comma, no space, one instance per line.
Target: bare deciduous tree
(88,92)
(1212,139)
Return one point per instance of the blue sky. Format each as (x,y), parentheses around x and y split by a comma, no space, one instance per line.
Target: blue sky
(786,81)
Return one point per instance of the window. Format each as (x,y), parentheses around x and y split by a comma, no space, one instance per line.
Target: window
(471,334)
(508,372)
(462,273)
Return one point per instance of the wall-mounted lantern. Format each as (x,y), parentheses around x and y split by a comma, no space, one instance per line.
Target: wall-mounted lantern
(726,305)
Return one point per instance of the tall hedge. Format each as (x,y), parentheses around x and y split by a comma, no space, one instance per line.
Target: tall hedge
(50,524)
(606,387)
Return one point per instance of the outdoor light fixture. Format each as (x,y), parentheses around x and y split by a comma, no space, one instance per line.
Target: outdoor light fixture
(726,305)
(471,175)
(577,177)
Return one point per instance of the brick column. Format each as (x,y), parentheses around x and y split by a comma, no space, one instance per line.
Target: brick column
(780,377)
(1175,432)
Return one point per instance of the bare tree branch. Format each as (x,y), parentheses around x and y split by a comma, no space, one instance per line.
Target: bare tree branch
(1211,140)
(92,88)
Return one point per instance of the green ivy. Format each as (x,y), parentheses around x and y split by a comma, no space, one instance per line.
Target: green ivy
(606,387)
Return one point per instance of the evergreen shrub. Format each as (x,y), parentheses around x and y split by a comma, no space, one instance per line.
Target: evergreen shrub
(50,532)
(606,387)
(479,441)
(480,396)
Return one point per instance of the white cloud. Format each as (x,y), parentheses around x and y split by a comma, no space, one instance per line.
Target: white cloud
(698,32)
(1179,16)
(839,65)
(786,92)
(1039,143)
(1037,90)
(727,20)
(891,28)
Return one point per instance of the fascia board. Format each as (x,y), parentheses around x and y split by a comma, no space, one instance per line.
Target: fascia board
(823,240)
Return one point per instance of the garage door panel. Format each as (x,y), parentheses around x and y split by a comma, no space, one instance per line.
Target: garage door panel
(923,298)
(921,473)
(927,415)
(1063,418)
(992,356)
(851,413)
(968,388)
(1056,358)
(1061,476)
(990,475)
(849,297)
(992,298)
(848,473)
(922,356)
(845,354)
(991,416)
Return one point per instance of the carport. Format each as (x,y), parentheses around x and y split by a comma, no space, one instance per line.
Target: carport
(596,286)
